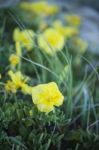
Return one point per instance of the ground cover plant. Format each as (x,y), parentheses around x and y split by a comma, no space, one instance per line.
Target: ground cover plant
(48,81)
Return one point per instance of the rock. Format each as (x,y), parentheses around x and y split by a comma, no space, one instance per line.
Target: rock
(92,3)
(90,27)
(8,3)
(89,30)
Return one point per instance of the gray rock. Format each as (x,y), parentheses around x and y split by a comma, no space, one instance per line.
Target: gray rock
(92,3)
(89,30)
(8,3)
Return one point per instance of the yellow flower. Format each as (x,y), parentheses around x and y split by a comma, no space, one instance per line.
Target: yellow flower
(52,9)
(71,31)
(65,31)
(40,8)
(18,81)
(14,60)
(10,87)
(25,37)
(73,20)
(80,45)
(17,78)
(51,41)
(47,96)
(59,27)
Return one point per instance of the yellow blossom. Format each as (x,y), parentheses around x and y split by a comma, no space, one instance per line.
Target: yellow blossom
(47,96)
(51,41)
(80,45)
(17,78)
(40,8)
(25,37)
(66,31)
(70,31)
(14,59)
(18,81)
(73,20)
(59,27)
(10,87)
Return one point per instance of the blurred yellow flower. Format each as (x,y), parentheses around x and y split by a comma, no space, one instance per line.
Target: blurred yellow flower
(18,81)
(14,59)
(40,8)
(74,20)
(51,41)
(25,37)
(59,27)
(17,78)
(71,31)
(10,87)
(80,45)
(65,31)
(46,96)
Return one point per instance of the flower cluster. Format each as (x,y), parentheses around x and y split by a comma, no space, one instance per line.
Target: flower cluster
(51,37)
(40,8)
(45,96)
